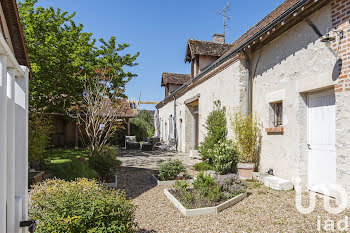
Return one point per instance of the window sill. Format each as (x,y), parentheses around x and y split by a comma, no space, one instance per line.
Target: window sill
(279,129)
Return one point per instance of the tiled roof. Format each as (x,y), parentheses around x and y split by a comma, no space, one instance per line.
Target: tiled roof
(262,23)
(124,109)
(199,47)
(15,30)
(172,78)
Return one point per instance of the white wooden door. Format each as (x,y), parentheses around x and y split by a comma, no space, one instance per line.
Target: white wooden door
(321,142)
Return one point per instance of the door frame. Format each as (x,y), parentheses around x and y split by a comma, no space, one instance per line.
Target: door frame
(324,92)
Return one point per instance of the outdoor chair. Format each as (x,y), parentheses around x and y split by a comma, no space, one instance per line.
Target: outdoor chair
(131,143)
(171,146)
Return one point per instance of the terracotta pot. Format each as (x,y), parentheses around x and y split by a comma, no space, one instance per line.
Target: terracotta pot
(245,170)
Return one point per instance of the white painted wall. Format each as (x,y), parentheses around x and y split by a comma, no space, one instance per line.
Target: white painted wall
(293,64)
(13,141)
(226,86)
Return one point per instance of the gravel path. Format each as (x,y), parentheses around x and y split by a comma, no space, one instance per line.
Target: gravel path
(264,210)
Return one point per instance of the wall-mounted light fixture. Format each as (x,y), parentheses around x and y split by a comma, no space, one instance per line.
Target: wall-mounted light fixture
(327,39)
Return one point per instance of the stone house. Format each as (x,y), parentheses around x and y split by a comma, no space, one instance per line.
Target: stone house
(14,72)
(291,70)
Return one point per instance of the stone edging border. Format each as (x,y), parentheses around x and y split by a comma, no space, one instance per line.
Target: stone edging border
(206,210)
(166,182)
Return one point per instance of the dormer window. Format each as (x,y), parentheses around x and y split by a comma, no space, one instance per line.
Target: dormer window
(203,53)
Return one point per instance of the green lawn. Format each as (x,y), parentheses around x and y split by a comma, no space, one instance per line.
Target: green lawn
(58,156)
(64,164)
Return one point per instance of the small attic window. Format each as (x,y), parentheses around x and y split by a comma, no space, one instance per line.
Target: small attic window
(277,110)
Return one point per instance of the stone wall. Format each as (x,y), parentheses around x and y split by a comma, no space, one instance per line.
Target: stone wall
(228,86)
(292,65)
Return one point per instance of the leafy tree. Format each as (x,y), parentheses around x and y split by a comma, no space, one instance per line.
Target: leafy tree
(108,59)
(142,125)
(60,52)
(216,126)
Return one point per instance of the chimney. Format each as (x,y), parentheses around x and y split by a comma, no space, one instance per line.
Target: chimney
(219,38)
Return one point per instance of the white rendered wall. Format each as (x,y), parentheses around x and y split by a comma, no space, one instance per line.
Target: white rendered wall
(290,66)
(13,141)
(227,86)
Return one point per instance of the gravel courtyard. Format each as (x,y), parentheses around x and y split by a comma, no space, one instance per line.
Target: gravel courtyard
(264,210)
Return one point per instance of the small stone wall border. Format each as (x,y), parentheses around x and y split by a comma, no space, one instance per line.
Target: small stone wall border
(167,182)
(206,210)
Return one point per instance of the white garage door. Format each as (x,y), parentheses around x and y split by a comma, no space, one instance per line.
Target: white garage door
(321,142)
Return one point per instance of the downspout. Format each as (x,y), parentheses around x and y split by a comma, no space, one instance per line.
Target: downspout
(175,131)
(247,64)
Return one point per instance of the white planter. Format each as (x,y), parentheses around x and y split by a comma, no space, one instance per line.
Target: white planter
(114,184)
(167,182)
(206,210)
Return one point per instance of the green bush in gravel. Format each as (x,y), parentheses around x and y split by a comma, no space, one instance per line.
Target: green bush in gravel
(105,163)
(216,127)
(79,206)
(170,169)
(226,157)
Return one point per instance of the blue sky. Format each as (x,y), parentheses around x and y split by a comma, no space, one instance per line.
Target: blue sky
(159,30)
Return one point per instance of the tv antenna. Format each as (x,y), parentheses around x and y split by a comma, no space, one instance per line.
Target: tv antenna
(224,15)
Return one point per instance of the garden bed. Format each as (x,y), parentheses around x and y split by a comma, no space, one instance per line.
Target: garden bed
(171,195)
(207,194)
(170,182)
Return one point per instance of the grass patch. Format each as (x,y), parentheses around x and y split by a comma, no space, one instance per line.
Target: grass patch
(253,184)
(203,166)
(56,156)
(68,164)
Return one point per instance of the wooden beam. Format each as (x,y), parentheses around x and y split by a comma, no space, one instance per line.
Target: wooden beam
(76,138)
(128,120)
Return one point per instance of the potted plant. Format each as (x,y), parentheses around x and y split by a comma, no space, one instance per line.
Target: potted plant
(247,137)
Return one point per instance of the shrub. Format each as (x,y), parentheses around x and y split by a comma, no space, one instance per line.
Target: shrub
(216,126)
(203,166)
(170,169)
(226,157)
(247,137)
(142,125)
(71,170)
(208,190)
(231,185)
(105,163)
(39,130)
(79,206)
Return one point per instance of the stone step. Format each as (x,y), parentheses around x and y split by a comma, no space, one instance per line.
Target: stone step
(273,182)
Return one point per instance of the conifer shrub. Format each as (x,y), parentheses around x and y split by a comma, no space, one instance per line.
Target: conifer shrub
(216,127)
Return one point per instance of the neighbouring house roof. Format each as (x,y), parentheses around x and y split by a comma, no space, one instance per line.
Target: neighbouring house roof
(121,108)
(124,110)
(206,48)
(16,32)
(172,78)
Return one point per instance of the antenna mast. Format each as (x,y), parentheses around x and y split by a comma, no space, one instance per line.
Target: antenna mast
(224,15)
